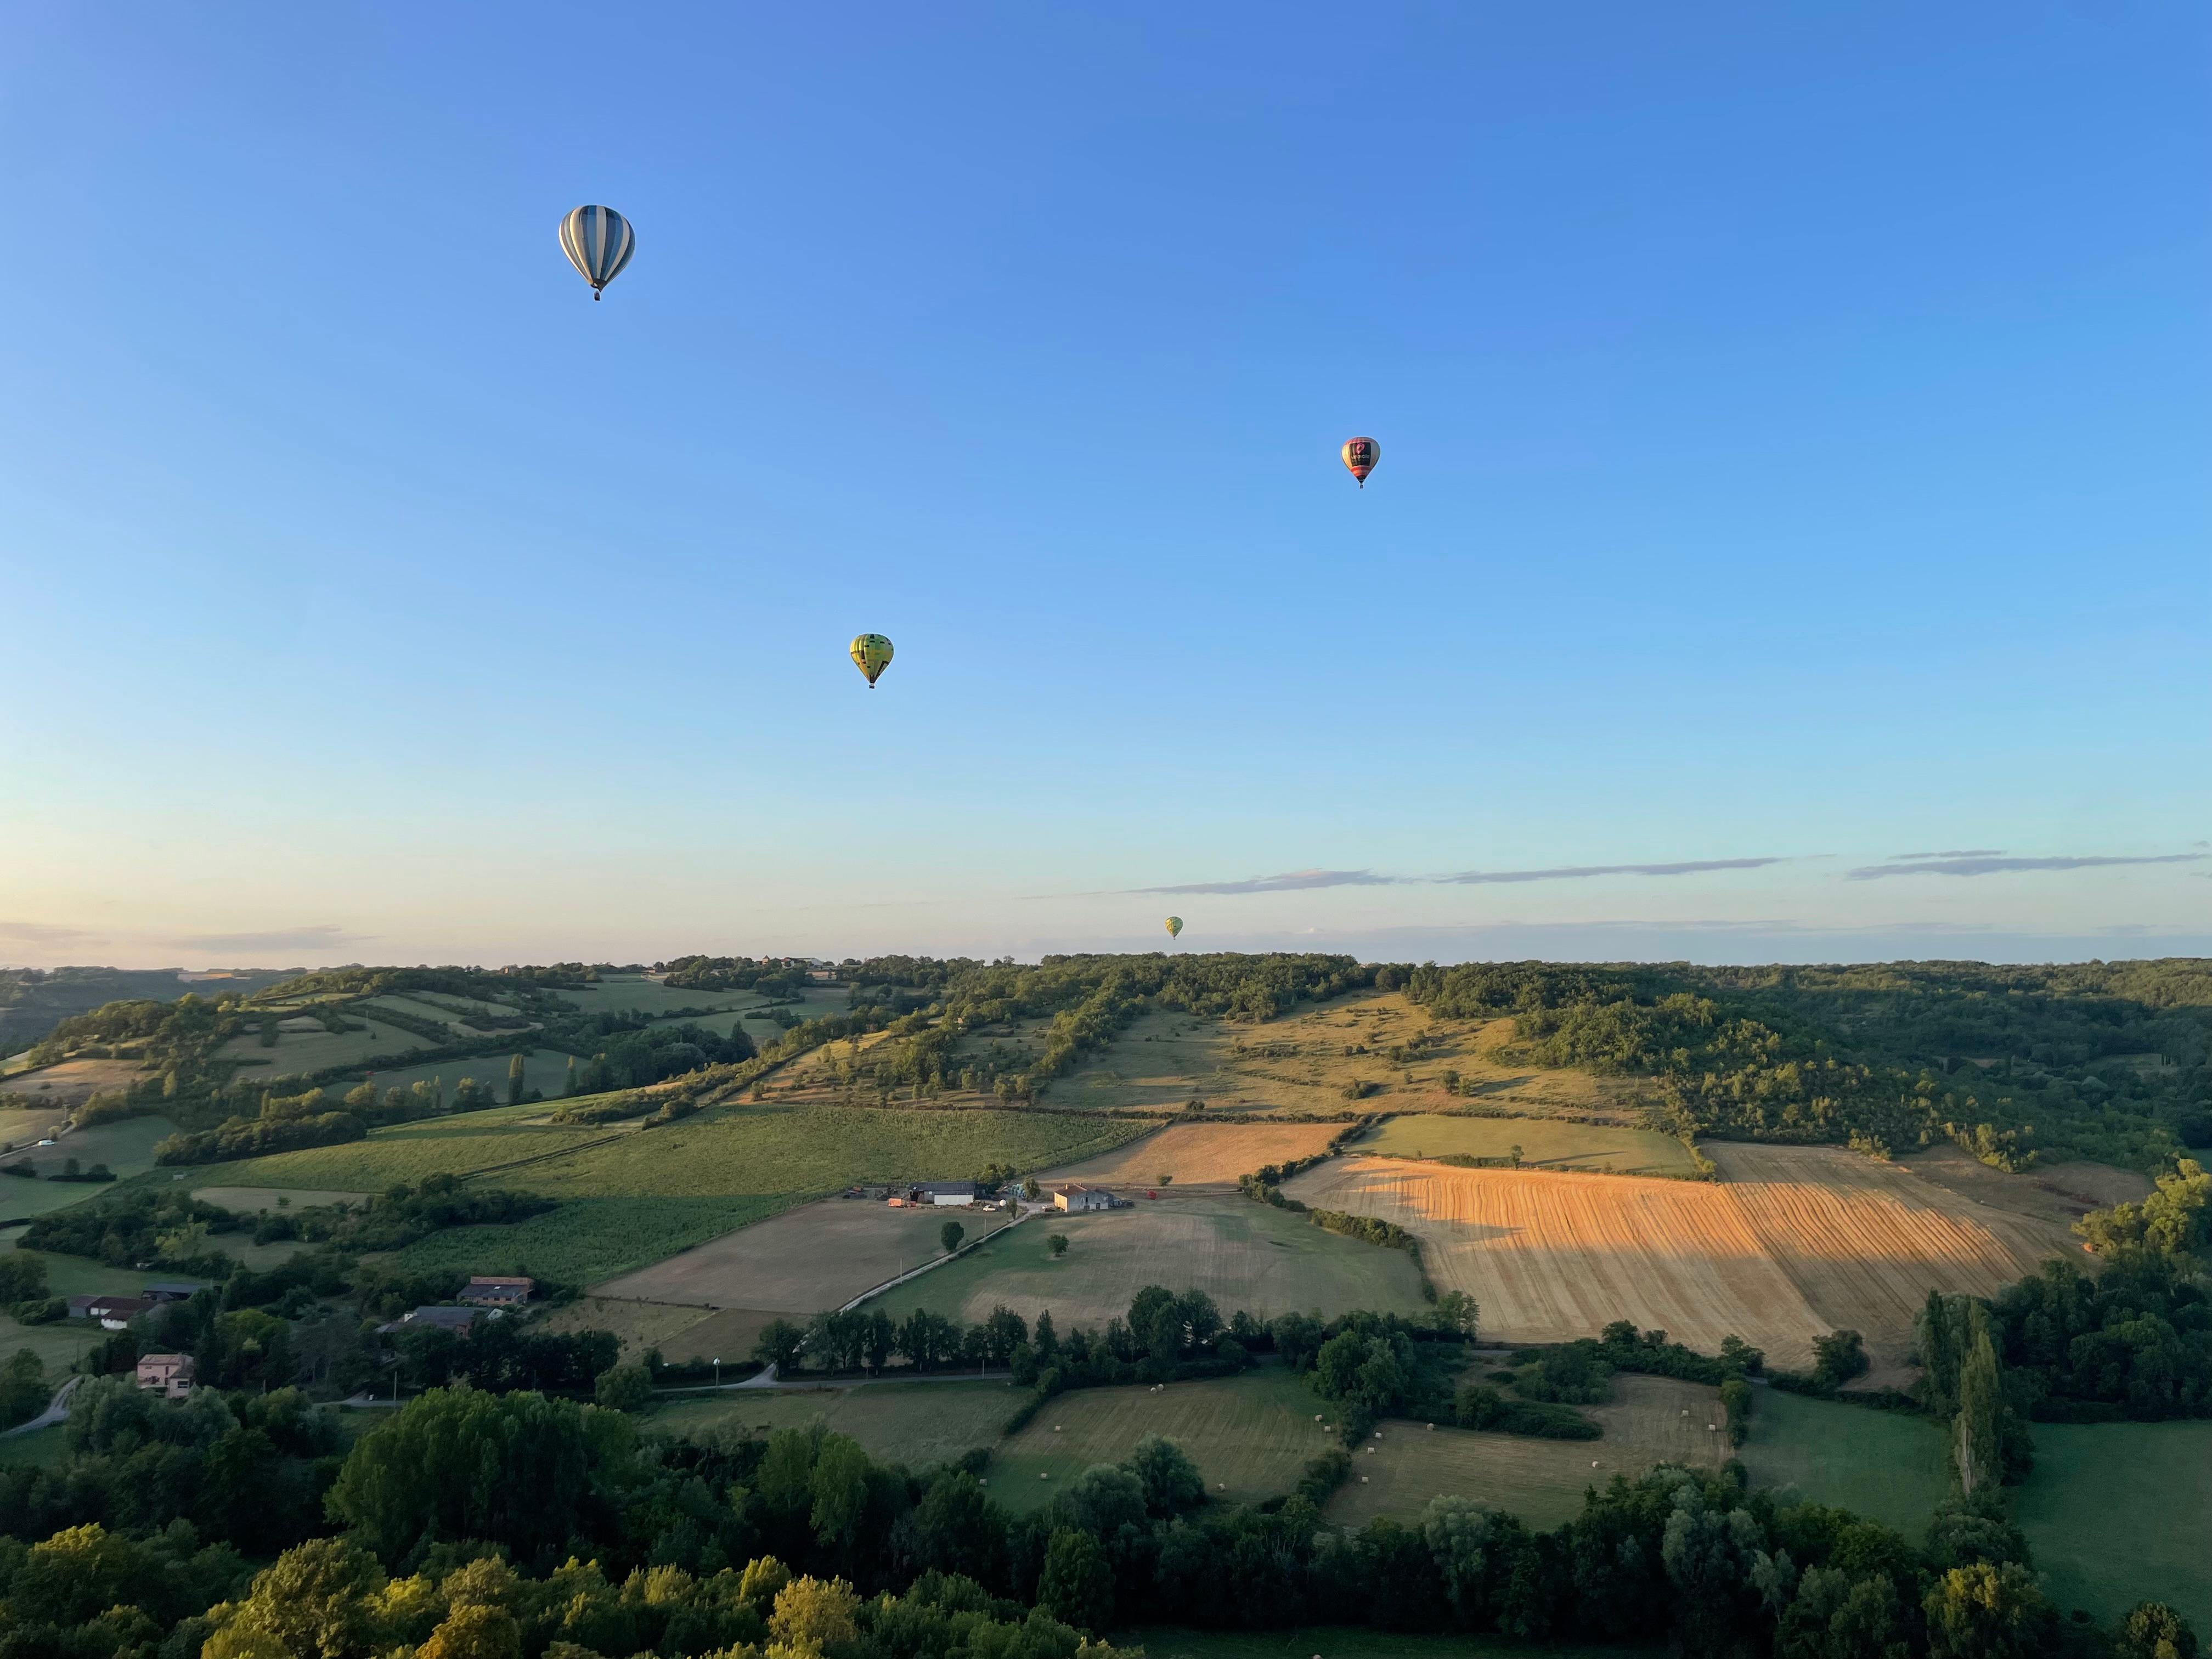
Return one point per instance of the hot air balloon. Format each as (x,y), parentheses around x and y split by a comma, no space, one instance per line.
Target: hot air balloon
(599,242)
(1360,455)
(1174,926)
(871,654)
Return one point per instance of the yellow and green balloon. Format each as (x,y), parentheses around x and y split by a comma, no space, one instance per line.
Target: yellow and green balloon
(871,654)
(1174,926)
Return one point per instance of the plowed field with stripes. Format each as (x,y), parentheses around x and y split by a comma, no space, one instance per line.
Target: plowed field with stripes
(1791,1242)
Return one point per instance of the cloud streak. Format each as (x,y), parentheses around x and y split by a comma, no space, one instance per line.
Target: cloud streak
(1584,872)
(1293,881)
(1301,881)
(1993,864)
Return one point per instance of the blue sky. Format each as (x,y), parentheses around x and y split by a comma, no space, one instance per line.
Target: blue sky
(1794,424)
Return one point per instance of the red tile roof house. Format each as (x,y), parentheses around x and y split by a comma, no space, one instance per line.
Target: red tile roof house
(169,1374)
(494,1292)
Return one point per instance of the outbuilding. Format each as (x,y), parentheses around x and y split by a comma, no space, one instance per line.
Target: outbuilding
(1076,1198)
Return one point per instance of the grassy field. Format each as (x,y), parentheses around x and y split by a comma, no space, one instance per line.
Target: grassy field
(1340,1641)
(545,1070)
(42,1448)
(916,1423)
(638,1325)
(407,1151)
(623,993)
(644,1195)
(1243,1254)
(1298,1066)
(1544,1143)
(1884,1465)
(58,1346)
(809,1259)
(45,1093)
(2118,1513)
(298,1052)
(1250,1436)
(1193,1154)
(252,1200)
(1650,1420)
(126,1147)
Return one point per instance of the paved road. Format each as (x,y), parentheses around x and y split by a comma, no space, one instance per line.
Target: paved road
(57,1411)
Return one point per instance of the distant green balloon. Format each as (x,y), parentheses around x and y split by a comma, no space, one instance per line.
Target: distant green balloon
(1174,926)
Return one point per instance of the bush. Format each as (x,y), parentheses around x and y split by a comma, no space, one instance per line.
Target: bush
(623,1388)
(1736,1400)
(1481,1407)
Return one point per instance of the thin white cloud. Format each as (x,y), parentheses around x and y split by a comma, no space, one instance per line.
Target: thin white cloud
(1989,864)
(1956,853)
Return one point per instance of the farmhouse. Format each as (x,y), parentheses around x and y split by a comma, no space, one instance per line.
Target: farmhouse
(113,1312)
(169,1374)
(482,1292)
(1075,1197)
(172,1292)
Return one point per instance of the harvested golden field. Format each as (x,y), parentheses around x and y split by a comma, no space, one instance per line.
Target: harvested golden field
(1194,1154)
(805,1261)
(2057,1192)
(1792,1242)
(1553,1255)
(1864,1242)
(1650,1420)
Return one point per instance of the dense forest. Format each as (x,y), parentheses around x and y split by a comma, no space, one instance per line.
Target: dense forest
(2108,1060)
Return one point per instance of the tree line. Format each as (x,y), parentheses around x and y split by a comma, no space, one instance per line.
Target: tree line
(564,1531)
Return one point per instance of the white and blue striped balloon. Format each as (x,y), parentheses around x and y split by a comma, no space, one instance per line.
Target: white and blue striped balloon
(599,242)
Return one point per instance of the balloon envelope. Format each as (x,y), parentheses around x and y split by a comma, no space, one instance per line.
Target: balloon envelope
(1174,926)
(871,654)
(599,242)
(1360,455)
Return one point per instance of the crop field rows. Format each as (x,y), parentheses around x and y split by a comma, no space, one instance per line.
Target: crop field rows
(1809,1239)
(1863,1243)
